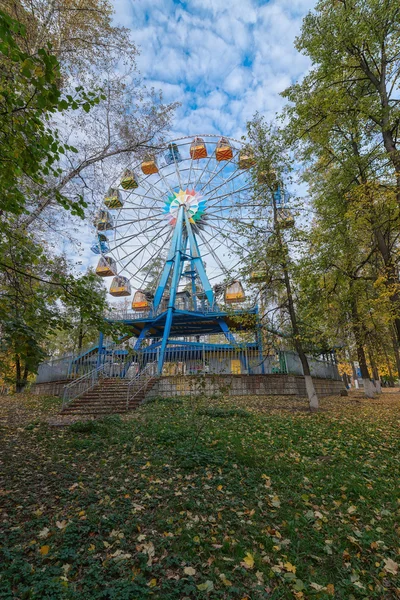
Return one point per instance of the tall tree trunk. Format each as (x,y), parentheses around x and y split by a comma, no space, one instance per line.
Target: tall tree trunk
(369,388)
(18,380)
(310,389)
(81,335)
(375,372)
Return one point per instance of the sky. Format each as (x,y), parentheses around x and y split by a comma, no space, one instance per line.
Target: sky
(222,60)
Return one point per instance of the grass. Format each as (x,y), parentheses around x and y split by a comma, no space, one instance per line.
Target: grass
(175,502)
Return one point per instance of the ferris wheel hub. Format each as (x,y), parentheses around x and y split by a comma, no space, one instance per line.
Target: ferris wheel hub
(191,200)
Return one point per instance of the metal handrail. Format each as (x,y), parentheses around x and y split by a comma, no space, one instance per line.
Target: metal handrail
(143,378)
(86,382)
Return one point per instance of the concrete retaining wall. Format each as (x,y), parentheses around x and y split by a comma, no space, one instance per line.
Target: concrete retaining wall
(243,385)
(52,388)
(230,385)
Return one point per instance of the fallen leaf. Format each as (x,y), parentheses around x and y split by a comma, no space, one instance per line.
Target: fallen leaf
(391,566)
(207,586)
(189,571)
(44,533)
(248,561)
(289,567)
(44,550)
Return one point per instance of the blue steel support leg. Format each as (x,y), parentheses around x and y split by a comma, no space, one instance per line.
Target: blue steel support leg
(174,286)
(167,269)
(100,349)
(197,261)
(193,277)
(225,330)
(141,337)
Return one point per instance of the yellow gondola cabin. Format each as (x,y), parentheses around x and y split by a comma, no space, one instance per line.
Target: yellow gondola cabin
(198,149)
(140,302)
(234,293)
(285,218)
(246,159)
(113,198)
(128,181)
(107,267)
(120,286)
(103,221)
(223,150)
(149,165)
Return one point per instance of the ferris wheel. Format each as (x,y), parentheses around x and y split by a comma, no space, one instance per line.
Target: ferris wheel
(208,175)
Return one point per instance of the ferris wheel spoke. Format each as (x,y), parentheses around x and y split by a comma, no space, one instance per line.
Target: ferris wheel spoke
(226,163)
(224,236)
(152,257)
(220,197)
(226,182)
(141,249)
(215,256)
(201,174)
(135,235)
(145,196)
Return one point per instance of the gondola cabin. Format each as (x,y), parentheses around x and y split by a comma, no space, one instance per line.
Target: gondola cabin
(234,293)
(100,244)
(107,267)
(172,155)
(246,159)
(258,276)
(140,302)
(198,149)
(149,165)
(129,181)
(268,177)
(103,221)
(223,150)
(285,218)
(113,199)
(120,286)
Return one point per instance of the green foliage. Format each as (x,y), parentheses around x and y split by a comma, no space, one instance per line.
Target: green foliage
(264,507)
(224,412)
(29,95)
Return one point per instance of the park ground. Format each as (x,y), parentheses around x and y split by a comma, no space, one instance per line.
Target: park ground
(202,499)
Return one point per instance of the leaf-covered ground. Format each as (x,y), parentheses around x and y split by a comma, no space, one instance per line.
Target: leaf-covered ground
(183,500)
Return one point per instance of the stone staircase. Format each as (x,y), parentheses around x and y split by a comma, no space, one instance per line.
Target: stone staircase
(108,397)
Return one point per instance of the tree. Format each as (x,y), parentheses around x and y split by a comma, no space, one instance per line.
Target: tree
(345,115)
(128,121)
(29,95)
(32,304)
(268,243)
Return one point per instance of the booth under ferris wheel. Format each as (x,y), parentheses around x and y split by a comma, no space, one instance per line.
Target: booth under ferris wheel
(166,236)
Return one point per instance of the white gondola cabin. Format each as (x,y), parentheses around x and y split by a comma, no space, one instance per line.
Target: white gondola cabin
(223,150)
(234,293)
(246,159)
(107,267)
(140,302)
(198,149)
(103,221)
(129,181)
(120,286)
(113,198)
(149,165)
